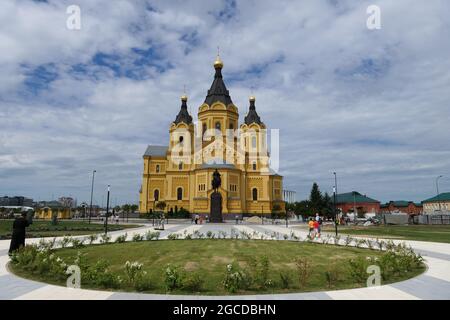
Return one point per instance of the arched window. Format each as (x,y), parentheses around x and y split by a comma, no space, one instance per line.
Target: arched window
(180,166)
(204,128)
(218,125)
(180,194)
(157,168)
(156,194)
(231,126)
(255,194)
(254,165)
(180,139)
(253,142)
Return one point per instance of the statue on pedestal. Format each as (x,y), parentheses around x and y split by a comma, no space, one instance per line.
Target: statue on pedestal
(216,199)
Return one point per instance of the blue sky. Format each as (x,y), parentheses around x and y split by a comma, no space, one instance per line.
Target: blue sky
(372,105)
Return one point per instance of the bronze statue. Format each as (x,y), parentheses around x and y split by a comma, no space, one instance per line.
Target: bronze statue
(216,181)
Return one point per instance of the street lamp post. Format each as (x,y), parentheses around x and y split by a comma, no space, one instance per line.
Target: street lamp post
(262,214)
(437,190)
(92,193)
(107,212)
(286,217)
(335,209)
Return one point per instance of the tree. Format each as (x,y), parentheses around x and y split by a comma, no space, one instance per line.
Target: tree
(327,206)
(315,198)
(134,207)
(303,208)
(161,205)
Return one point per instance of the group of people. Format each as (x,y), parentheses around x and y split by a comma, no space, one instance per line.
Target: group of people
(315,225)
(197,219)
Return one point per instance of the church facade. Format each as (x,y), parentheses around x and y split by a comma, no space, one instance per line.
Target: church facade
(179,174)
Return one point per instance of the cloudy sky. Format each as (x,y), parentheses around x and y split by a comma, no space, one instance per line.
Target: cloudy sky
(372,105)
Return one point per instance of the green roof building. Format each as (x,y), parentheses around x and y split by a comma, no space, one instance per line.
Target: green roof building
(355,201)
(439,202)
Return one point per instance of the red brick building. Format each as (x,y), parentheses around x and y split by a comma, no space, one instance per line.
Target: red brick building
(408,207)
(354,201)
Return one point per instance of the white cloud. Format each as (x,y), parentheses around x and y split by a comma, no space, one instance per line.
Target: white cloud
(371,105)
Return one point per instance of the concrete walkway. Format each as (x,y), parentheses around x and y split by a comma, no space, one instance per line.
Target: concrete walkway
(433,284)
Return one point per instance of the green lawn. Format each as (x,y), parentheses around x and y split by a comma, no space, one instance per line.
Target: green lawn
(209,258)
(436,233)
(63,228)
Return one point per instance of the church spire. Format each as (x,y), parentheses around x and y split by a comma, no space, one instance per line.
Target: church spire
(183,115)
(218,90)
(252,115)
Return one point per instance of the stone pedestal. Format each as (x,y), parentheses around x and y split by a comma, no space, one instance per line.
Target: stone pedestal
(216,207)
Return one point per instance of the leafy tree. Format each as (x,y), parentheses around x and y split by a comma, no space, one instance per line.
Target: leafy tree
(134,207)
(304,208)
(315,198)
(161,205)
(327,206)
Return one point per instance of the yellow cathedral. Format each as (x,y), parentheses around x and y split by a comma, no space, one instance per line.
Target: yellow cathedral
(180,173)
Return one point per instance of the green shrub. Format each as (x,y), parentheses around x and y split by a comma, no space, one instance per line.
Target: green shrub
(357,269)
(304,270)
(172,277)
(64,242)
(92,238)
(193,282)
(134,271)
(25,256)
(101,276)
(104,238)
(143,284)
(150,235)
(138,237)
(122,238)
(236,279)
(332,274)
(285,279)
(173,236)
(77,243)
(260,270)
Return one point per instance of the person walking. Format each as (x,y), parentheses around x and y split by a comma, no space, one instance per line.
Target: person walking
(311,228)
(316,226)
(18,234)
(319,226)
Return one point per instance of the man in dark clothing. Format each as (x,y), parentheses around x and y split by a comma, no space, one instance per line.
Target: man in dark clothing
(18,235)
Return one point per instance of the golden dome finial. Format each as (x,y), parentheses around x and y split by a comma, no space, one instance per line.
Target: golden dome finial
(184,96)
(218,63)
(252,98)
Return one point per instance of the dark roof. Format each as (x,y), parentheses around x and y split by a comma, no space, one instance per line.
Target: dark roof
(441,197)
(183,115)
(252,115)
(156,151)
(218,90)
(401,203)
(354,196)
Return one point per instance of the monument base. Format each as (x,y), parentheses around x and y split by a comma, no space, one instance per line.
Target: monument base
(216,207)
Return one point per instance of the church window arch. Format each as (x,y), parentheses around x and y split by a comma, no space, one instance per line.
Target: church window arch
(156,195)
(255,194)
(179,193)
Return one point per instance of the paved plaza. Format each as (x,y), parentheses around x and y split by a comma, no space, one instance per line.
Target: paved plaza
(433,284)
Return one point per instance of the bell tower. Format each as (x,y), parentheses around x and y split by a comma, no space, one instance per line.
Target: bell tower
(217,121)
